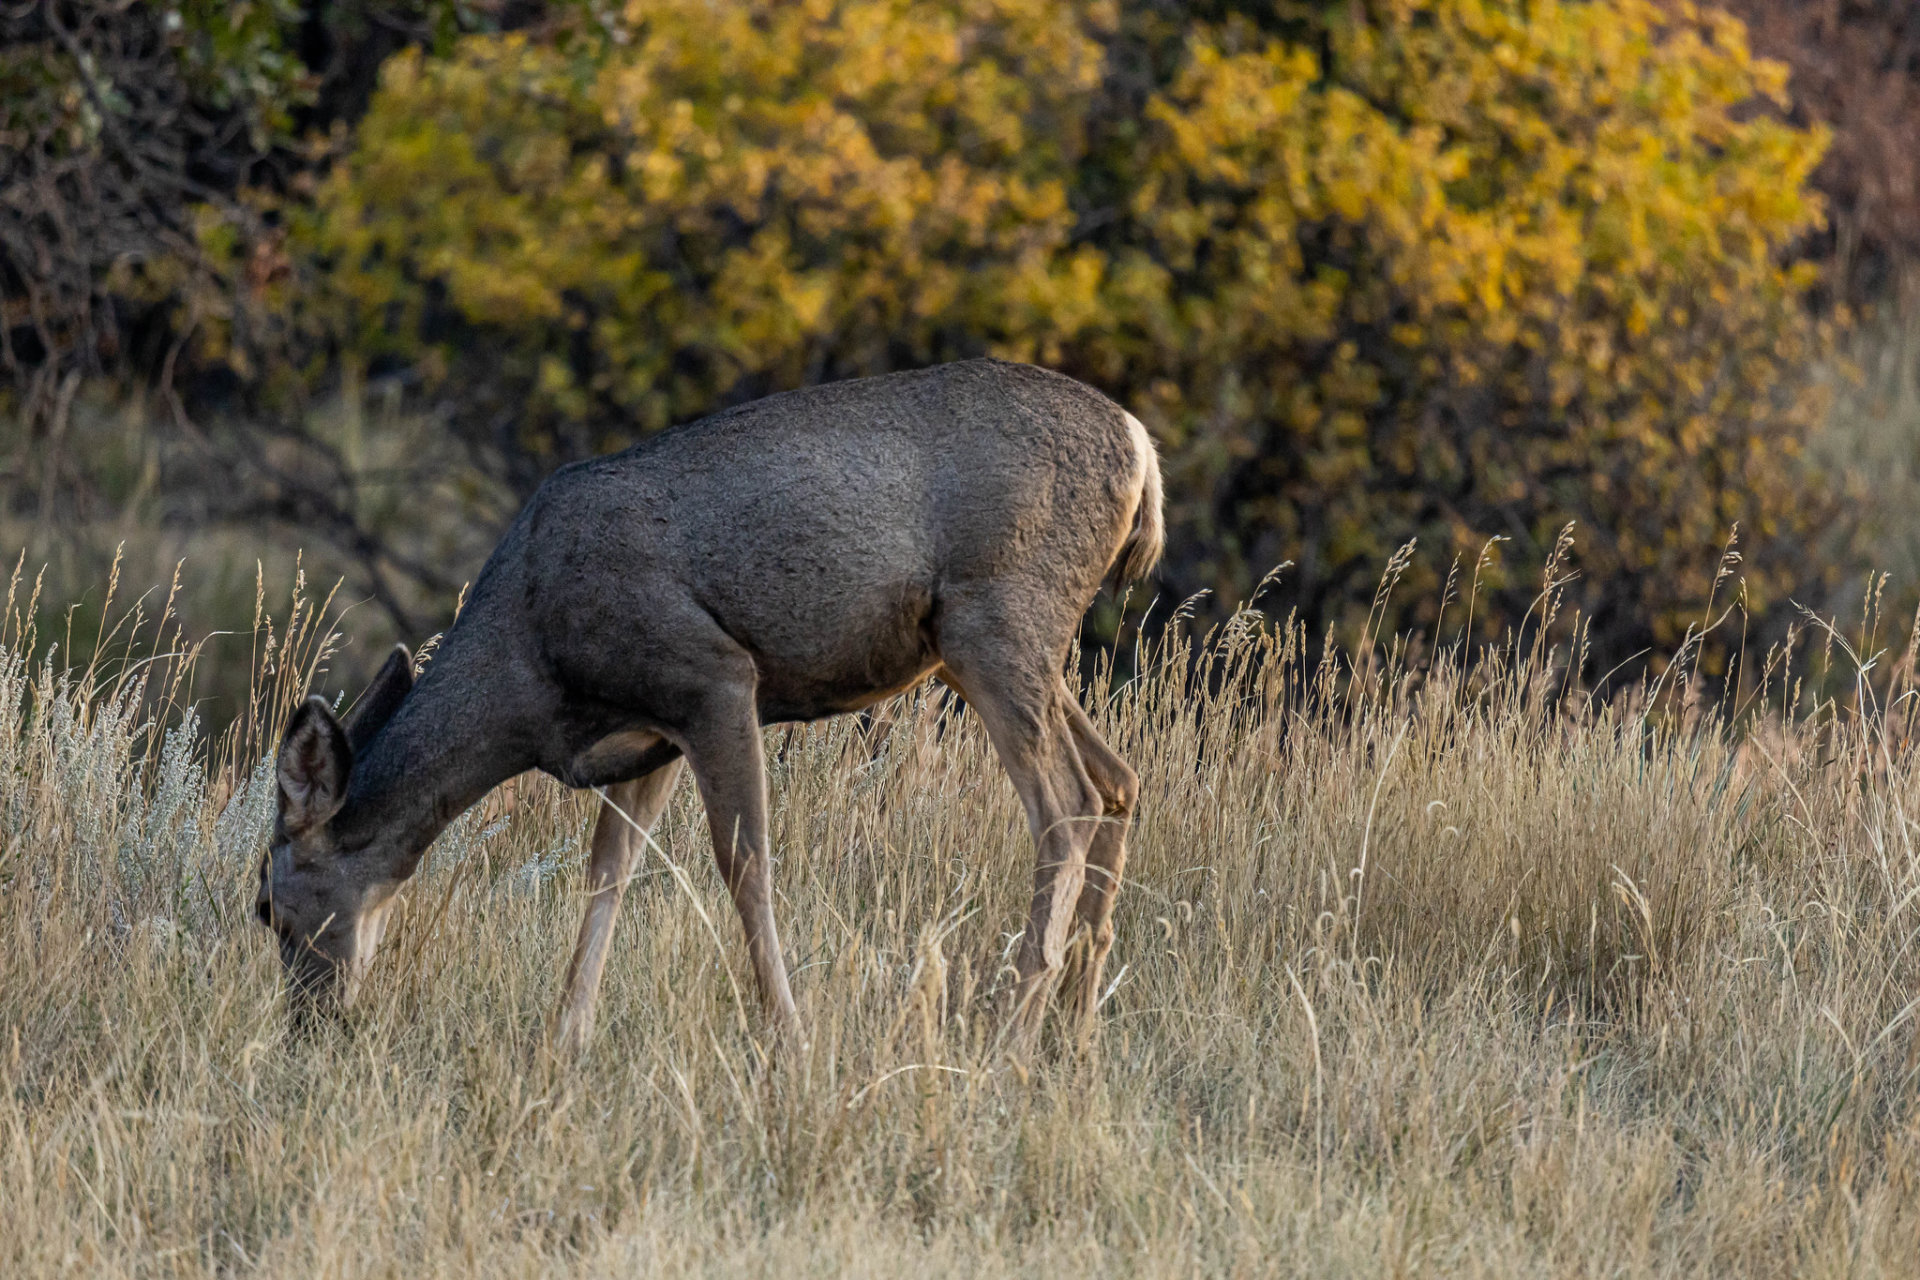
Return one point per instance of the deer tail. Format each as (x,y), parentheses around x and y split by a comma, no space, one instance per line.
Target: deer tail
(1141,551)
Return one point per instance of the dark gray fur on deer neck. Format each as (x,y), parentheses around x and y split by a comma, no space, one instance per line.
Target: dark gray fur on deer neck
(460,732)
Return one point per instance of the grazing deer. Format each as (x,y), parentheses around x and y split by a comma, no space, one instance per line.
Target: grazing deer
(794,558)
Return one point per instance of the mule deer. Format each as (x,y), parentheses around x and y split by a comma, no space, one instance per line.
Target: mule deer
(797,557)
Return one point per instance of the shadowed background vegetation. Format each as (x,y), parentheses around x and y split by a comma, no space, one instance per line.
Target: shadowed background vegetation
(352,277)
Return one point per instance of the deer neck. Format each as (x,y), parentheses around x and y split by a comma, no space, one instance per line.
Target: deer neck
(450,742)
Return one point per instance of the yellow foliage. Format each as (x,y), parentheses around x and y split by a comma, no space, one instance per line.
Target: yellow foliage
(1551,235)
(739,195)
(1452,268)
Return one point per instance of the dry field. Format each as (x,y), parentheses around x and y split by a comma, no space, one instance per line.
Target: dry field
(1432,967)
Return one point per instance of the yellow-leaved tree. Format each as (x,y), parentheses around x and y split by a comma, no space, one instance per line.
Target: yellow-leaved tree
(1446,268)
(1477,268)
(725,201)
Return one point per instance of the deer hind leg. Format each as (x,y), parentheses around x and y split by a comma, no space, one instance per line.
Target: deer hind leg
(629,810)
(1119,788)
(1029,723)
(725,753)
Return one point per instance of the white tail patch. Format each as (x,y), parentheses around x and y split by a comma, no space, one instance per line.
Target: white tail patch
(1145,455)
(1141,551)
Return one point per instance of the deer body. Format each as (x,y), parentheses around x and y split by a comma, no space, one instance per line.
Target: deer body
(797,557)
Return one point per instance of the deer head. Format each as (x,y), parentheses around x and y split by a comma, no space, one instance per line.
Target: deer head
(326,882)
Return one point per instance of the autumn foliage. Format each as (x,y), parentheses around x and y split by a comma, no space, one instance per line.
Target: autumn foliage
(1451,269)
(1371,270)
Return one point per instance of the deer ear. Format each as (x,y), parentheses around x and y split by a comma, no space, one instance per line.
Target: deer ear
(382,698)
(315,759)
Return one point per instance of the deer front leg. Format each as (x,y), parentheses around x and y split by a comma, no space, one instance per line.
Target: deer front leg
(725,752)
(628,812)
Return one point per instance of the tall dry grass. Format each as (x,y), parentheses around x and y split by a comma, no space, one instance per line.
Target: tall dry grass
(1424,967)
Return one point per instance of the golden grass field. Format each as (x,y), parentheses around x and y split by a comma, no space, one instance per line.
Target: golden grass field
(1435,966)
